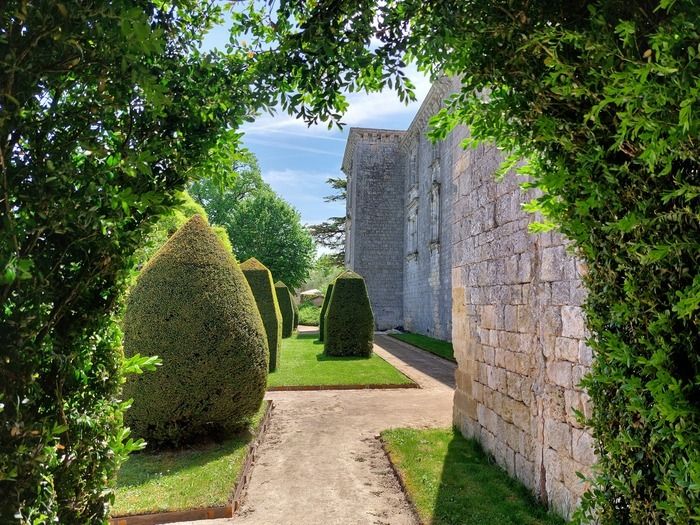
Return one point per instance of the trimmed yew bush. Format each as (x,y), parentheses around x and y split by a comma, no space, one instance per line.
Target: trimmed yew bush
(284,298)
(260,280)
(192,306)
(324,309)
(349,323)
(295,307)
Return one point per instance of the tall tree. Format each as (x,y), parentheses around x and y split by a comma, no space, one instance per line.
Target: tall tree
(600,98)
(220,195)
(269,229)
(331,233)
(274,236)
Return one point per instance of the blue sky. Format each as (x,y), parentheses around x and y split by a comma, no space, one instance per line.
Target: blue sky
(296,160)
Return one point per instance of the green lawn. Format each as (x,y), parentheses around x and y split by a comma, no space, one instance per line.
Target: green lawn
(434,346)
(302,363)
(452,482)
(192,478)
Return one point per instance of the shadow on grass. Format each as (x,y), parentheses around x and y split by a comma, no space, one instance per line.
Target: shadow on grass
(142,467)
(309,335)
(323,357)
(439,369)
(473,490)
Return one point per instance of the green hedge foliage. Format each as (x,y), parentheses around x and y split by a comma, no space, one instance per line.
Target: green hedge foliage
(295,306)
(324,309)
(260,281)
(284,298)
(192,307)
(349,323)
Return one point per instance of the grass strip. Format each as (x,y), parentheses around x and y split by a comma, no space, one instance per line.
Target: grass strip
(303,363)
(451,481)
(191,478)
(434,346)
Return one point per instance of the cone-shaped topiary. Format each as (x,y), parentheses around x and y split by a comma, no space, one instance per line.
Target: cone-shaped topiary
(192,306)
(295,306)
(260,281)
(284,298)
(349,323)
(324,309)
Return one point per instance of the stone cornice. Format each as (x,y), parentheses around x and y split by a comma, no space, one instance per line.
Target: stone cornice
(430,106)
(371,135)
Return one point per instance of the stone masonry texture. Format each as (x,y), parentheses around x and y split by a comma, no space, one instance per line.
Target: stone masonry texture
(375,221)
(511,299)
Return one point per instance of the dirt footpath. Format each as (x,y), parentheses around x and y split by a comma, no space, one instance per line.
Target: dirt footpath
(321,462)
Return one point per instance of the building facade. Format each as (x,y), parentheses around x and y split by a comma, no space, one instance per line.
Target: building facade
(398,231)
(445,251)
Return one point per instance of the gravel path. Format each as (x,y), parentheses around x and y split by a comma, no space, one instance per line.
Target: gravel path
(321,462)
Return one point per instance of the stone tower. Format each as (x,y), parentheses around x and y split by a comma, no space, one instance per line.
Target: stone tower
(374,228)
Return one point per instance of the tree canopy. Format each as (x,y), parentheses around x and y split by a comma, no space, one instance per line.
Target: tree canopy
(269,229)
(331,233)
(106,111)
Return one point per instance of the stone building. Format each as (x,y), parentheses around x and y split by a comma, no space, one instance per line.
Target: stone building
(398,231)
(445,251)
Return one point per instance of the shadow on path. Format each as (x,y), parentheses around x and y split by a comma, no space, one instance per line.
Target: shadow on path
(435,367)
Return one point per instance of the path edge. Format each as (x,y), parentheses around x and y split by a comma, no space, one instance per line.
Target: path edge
(226,511)
(399,478)
(307,388)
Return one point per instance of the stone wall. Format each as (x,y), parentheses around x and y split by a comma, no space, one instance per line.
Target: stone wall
(427,284)
(518,333)
(374,238)
(444,247)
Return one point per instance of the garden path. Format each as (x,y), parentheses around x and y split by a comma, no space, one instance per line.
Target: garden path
(321,462)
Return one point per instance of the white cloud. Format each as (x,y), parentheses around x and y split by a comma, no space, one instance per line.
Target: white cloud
(363,110)
(305,191)
(287,145)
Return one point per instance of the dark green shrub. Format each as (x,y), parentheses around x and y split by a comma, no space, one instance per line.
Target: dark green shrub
(295,306)
(349,323)
(284,298)
(192,306)
(324,309)
(260,281)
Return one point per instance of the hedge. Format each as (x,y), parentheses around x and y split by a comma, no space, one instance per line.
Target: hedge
(260,280)
(284,298)
(349,323)
(295,306)
(192,306)
(324,308)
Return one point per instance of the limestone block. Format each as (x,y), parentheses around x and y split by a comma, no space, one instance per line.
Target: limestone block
(557,435)
(526,320)
(559,373)
(560,498)
(552,465)
(521,415)
(585,354)
(572,322)
(525,470)
(573,402)
(577,374)
(515,385)
(560,292)
(552,266)
(524,268)
(511,318)
(566,349)
(489,354)
(583,451)
(551,321)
